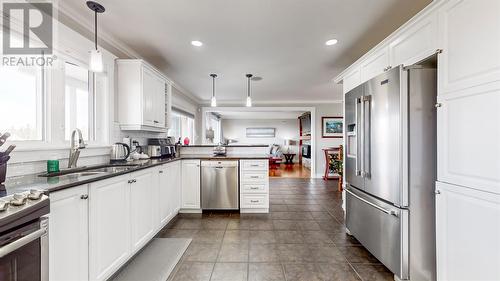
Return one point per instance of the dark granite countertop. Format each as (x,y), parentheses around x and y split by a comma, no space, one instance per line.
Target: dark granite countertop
(25,183)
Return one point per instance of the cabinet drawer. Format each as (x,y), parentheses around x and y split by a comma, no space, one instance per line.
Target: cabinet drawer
(254,165)
(254,188)
(254,176)
(254,201)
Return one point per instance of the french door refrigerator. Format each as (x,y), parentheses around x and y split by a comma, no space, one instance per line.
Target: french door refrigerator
(390,168)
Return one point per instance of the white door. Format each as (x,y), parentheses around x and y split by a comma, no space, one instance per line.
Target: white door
(191,184)
(176,186)
(109,226)
(165,183)
(149,90)
(467,234)
(469,34)
(416,42)
(141,208)
(68,239)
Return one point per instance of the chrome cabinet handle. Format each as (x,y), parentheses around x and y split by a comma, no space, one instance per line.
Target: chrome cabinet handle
(156,122)
(254,201)
(366,169)
(388,68)
(254,165)
(130,181)
(254,177)
(389,212)
(134,181)
(84,197)
(254,188)
(160,172)
(437,191)
(438,105)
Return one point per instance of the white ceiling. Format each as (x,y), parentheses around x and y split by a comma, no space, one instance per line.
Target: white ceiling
(271,115)
(279,40)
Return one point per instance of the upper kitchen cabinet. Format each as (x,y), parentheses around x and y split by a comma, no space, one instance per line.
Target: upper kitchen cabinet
(375,64)
(351,80)
(469,34)
(415,42)
(143,97)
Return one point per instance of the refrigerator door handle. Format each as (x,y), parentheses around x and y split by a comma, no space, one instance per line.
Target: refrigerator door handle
(389,212)
(358,136)
(367,119)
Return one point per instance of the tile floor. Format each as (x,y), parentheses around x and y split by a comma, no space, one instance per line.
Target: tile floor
(302,238)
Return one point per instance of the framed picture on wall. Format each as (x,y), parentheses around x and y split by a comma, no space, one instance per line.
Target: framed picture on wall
(332,127)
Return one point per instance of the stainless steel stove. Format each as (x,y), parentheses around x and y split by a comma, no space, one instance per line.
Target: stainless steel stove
(24,236)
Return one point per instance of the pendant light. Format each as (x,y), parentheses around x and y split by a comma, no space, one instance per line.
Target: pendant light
(249,98)
(213,101)
(95,61)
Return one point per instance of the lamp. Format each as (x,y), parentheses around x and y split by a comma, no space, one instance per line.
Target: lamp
(95,60)
(249,98)
(213,101)
(287,144)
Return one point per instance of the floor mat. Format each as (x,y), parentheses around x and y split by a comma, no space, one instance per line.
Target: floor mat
(156,261)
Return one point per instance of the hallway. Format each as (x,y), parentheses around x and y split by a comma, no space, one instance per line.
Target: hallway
(302,238)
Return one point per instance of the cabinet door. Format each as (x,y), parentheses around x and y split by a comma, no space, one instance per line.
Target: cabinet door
(149,92)
(375,64)
(469,34)
(416,42)
(141,208)
(165,183)
(176,187)
(468,133)
(68,253)
(109,226)
(467,231)
(191,184)
(159,103)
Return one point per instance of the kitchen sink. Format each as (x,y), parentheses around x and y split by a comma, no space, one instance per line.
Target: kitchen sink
(92,170)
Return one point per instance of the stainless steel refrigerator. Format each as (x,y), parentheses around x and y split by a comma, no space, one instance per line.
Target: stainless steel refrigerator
(390,169)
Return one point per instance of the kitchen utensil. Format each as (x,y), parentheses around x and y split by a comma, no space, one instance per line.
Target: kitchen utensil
(119,152)
(3,138)
(154,151)
(3,171)
(4,159)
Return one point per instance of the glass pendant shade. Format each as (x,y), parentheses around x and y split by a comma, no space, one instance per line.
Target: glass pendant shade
(95,62)
(213,102)
(249,102)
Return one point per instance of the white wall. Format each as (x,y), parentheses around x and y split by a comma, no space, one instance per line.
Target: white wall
(285,129)
(325,110)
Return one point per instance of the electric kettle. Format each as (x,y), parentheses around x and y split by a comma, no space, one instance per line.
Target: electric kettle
(119,152)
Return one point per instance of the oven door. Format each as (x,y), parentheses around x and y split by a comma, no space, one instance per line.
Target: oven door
(24,253)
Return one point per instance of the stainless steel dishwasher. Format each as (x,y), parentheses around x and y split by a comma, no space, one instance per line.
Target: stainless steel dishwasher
(219,185)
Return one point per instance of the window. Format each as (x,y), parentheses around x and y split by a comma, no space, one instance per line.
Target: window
(22,103)
(79,102)
(182,126)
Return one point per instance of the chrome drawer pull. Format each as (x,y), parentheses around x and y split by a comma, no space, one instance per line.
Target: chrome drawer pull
(254,201)
(254,177)
(254,188)
(389,212)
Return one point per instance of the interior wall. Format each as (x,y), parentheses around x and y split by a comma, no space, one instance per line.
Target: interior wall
(285,129)
(325,110)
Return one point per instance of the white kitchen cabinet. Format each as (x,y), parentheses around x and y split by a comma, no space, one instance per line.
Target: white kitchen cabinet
(467,229)
(254,186)
(68,239)
(175,195)
(468,134)
(165,184)
(143,96)
(142,215)
(469,34)
(351,80)
(109,226)
(375,64)
(191,184)
(416,42)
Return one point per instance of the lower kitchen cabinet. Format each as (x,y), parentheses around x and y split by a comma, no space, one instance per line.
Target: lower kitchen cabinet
(143,224)
(191,181)
(165,188)
(467,231)
(254,186)
(176,182)
(109,226)
(68,239)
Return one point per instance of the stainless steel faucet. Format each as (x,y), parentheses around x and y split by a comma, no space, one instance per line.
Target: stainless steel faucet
(76,145)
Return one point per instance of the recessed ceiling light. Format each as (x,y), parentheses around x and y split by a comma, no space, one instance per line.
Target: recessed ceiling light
(196,43)
(331,42)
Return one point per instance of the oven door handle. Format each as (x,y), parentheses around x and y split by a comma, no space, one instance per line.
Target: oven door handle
(9,248)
